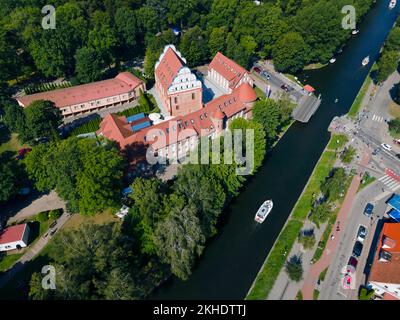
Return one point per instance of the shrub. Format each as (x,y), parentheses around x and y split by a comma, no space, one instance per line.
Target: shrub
(55,214)
(366,294)
(348,155)
(307,238)
(42,216)
(294,268)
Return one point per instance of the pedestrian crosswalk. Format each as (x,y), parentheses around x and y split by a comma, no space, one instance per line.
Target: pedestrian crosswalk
(390,182)
(377,118)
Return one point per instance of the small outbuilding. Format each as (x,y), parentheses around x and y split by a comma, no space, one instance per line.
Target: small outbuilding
(14,237)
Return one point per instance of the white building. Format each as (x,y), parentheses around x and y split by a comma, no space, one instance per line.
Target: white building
(14,237)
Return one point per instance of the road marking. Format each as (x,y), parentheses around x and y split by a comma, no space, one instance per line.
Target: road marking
(377,118)
(391,183)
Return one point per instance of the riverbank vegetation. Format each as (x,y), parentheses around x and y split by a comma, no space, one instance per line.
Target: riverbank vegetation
(389,59)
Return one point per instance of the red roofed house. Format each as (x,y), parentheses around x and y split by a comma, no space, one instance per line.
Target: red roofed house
(178,88)
(174,138)
(14,237)
(227,74)
(384,277)
(86,98)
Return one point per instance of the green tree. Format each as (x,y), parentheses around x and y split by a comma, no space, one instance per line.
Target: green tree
(387,64)
(217,40)
(321,213)
(394,127)
(307,239)
(348,155)
(393,40)
(333,187)
(14,117)
(10,173)
(178,238)
(259,139)
(146,211)
(290,53)
(88,65)
(42,119)
(294,268)
(126,24)
(194,46)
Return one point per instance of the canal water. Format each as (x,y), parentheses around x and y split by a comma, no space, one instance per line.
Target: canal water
(233,258)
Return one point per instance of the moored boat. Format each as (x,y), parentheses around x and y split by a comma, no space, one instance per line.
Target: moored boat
(392,4)
(365,61)
(264,211)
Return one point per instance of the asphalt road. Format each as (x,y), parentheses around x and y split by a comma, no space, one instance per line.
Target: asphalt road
(332,287)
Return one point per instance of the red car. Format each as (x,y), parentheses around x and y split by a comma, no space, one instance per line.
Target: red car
(22,153)
(257,69)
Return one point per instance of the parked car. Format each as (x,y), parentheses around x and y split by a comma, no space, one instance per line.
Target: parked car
(257,70)
(352,262)
(398,155)
(375,152)
(357,249)
(53,231)
(54,223)
(265,75)
(122,212)
(396,141)
(386,147)
(369,209)
(22,153)
(361,233)
(285,87)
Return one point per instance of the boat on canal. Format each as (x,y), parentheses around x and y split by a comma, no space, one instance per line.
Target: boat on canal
(355,31)
(365,61)
(392,4)
(264,211)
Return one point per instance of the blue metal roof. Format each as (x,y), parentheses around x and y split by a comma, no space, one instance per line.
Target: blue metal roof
(394,214)
(141,126)
(135,117)
(394,202)
(127,191)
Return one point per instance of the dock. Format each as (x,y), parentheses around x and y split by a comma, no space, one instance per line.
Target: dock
(306,108)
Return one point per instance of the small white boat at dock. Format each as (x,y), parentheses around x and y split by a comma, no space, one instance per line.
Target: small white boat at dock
(365,61)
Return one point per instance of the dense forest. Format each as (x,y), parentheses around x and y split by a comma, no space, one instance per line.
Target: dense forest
(93,35)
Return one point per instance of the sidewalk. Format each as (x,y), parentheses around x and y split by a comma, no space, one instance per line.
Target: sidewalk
(313,275)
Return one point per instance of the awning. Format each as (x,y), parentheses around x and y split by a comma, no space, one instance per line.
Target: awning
(308,88)
(394,202)
(395,215)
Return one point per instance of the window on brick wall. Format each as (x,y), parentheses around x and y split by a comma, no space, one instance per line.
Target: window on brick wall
(176,99)
(193,96)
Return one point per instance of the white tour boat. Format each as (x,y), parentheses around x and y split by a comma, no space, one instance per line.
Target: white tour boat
(392,4)
(333,60)
(264,211)
(365,61)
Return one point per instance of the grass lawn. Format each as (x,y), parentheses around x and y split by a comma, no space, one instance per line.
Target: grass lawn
(394,109)
(321,171)
(260,93)
(323,275)
(355,108)
(12,145)
(366,180)
(337,142)
(8,261)
(76,220)
(314,66)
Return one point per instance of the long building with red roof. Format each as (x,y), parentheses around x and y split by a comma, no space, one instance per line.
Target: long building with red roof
(95,96)
(384,276)
(227,74)
(178,88)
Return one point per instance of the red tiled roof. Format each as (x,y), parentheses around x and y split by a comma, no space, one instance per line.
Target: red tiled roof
(168,68)
(113,126)
(122,83)
(228,69)
(387,272)
(12,234)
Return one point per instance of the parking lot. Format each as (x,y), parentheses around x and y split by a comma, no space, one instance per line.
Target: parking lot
(336,286)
